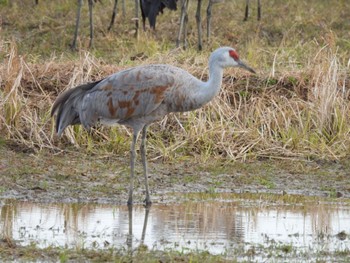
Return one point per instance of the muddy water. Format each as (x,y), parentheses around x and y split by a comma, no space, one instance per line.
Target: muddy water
(218,227)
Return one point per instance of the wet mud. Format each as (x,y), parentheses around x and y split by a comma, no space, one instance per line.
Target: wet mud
(71,177)
(252,211)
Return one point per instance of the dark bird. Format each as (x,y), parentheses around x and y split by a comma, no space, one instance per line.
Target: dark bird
(139,96)
(150,9)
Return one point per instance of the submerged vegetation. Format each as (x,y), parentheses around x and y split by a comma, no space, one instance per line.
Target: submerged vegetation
(296,106)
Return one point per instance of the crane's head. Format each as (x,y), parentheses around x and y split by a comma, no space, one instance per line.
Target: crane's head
(228,57)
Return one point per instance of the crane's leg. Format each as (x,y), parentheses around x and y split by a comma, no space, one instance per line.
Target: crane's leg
(74,44)
(132,165)
(145,221)
(182,20)
(91,24)
(185,25)
(129,236)
(259,10)
(114,14)
(144,164)
(209,19)
(199,24)
(246,14)
(136,18)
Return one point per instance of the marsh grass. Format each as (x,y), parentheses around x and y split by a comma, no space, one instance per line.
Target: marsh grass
(297,106)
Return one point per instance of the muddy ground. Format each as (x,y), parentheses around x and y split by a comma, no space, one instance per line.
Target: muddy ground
(72,177)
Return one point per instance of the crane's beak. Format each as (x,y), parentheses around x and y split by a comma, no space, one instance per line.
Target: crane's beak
(244,66)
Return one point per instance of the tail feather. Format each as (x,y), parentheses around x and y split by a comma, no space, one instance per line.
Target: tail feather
(67,105)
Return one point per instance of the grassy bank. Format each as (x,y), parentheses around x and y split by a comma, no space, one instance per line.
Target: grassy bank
(297,106)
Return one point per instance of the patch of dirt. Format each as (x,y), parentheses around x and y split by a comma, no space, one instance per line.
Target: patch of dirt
(73,177)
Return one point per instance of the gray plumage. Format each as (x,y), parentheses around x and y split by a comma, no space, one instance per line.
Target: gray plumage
(66,104)
(139,96)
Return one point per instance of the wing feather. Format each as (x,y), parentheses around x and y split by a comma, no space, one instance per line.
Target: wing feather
(132,93)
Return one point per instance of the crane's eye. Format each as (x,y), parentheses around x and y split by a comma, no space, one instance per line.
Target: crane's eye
(233,54)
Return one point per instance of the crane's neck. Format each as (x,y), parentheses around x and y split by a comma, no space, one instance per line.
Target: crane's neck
(194,93)
(212,87)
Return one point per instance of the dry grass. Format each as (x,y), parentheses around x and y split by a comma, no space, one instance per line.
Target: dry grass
(296,107)
(297,116)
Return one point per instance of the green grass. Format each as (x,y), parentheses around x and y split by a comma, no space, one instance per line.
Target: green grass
(141,254)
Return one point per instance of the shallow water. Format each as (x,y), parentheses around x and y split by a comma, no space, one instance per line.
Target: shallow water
(218,227)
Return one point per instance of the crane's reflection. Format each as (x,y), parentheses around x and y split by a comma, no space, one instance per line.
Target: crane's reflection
(214,226)
(129,239)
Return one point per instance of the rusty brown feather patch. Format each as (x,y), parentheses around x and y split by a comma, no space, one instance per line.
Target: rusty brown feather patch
(111,108)
(129,112)
(158,92)
(124,104)
(108,87)
(137,94)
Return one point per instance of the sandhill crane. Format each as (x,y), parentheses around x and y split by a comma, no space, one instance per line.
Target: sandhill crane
(152,8)
(80,3)
(184,20)
(246,14)
(77,23)
(139,96)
